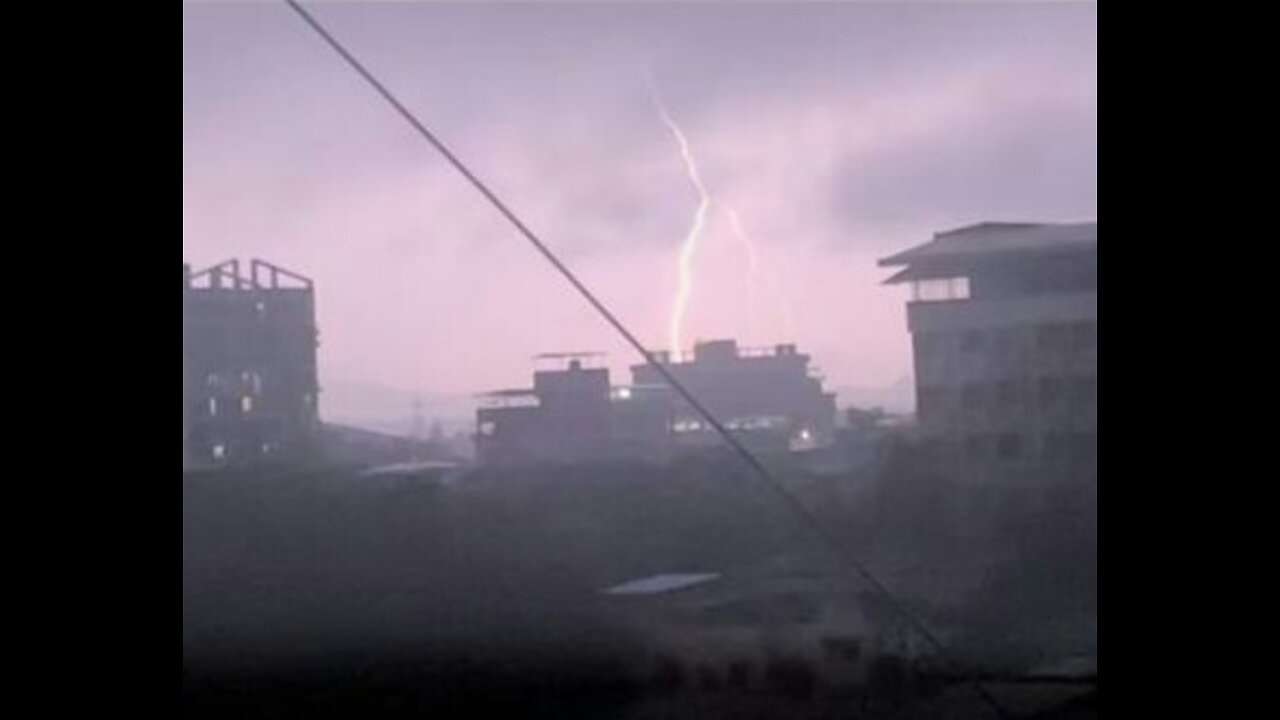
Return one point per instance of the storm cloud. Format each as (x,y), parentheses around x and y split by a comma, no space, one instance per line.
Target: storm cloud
(839,132)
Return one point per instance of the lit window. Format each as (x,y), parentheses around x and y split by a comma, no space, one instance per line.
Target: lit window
(687,426)
(941,290)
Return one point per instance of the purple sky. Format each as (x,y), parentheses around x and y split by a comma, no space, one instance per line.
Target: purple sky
(838,132)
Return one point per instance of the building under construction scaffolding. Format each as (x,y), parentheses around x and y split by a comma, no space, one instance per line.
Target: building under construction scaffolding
(573,413)
(249,383)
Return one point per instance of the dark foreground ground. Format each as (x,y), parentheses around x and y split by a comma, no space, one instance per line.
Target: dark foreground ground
(323,595)
(461,692)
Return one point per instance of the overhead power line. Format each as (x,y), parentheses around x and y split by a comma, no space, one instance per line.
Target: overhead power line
(798,508)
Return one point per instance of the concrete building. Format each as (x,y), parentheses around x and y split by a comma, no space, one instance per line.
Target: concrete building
(773,397)
(249,382)
(573,413)
(188,410)
(1004,323)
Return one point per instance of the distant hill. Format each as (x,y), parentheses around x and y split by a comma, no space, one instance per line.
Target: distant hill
(391,410)
(899,397)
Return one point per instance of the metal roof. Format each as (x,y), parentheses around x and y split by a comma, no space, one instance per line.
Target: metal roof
(989,238)
(659,584)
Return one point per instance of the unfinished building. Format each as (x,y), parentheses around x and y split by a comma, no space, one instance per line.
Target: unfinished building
(249,382)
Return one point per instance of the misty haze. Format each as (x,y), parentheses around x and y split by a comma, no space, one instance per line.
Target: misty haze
(640,360)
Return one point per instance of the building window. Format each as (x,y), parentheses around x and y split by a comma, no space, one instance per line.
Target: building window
(973,397)
(1010,393)
(1085,335)
(1066,447)
(1051,392)
(686,426)
(973,341)
(976,447)
(1010,447)
(1004,346)
(927,344)
(941,290)
(1053,447)
(251,381)
(931,402)
(1053,338)
(1084,447)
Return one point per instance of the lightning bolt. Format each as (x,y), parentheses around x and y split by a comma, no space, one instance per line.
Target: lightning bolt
(693,238)
(748,245)
(687,258)
(754,267)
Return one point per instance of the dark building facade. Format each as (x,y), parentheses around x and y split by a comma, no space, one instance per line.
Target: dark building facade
(1004,324)
(565,416)
(770,399)
(249,382)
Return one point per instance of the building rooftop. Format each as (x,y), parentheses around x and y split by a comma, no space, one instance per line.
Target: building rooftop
(998,237)
(233,275)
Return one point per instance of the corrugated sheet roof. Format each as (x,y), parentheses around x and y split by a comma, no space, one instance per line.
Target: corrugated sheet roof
(659,584)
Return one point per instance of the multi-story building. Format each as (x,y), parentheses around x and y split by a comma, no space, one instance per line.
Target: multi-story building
(571,414)
(249,382)
(771,399)
(188,410)
(564,416)
(1004,322)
